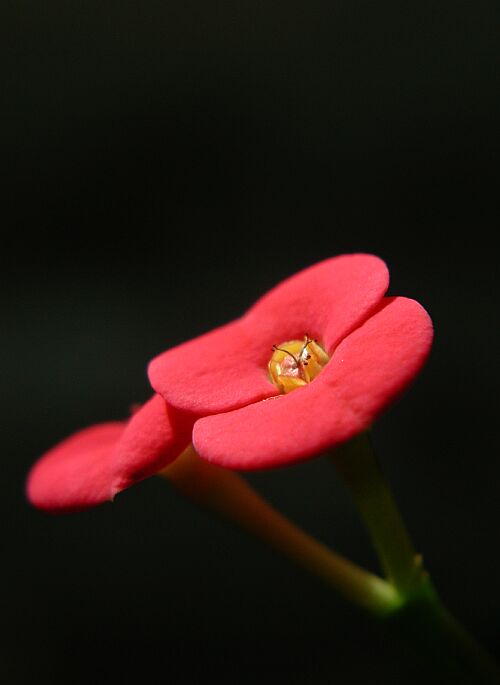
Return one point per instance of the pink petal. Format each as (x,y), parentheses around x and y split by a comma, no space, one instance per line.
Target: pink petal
(91,466)
(376,363)
(220,370)
(326,301)
(153,438)
(77,473)
(227,368)
(368,370)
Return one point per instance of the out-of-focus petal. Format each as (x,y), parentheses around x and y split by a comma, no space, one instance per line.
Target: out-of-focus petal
(78,472)
(91,466)
(154,437)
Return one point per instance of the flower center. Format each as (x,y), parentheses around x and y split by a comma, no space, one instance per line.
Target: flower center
(296,363)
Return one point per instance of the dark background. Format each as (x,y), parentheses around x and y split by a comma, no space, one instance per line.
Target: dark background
(165,164)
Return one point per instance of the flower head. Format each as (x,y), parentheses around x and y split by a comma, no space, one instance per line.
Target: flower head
(310,365)
(93,465)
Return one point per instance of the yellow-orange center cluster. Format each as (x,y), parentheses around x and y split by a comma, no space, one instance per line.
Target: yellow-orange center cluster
(296,363)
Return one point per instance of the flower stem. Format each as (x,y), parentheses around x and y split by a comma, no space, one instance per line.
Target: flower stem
(360,471)
(452,652)
(421,616)
(229,495)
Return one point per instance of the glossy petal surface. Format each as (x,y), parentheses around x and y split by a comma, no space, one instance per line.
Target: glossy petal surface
(77,473)
(227,368)
(368,370)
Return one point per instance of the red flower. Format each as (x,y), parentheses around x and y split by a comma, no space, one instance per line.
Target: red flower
(310,365)
(93,465)
(374,347)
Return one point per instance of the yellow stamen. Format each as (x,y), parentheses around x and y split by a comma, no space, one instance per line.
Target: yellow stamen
(296,363)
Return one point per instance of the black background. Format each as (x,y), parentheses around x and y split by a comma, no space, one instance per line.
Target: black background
(165,164)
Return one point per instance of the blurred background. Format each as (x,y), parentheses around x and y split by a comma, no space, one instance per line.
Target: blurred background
(164,165)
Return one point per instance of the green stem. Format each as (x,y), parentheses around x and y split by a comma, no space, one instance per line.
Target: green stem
(454,654)
(229,495)
(360,471)
(421,617)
